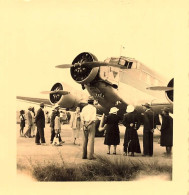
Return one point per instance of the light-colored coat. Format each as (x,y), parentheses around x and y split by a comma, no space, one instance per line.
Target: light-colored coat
(29,118)
(57,124)
(73,121)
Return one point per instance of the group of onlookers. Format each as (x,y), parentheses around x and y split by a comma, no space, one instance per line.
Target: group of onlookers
(132,122)
(85,121)
(33,121)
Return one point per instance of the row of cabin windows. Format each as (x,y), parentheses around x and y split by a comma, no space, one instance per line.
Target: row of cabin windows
(134,65)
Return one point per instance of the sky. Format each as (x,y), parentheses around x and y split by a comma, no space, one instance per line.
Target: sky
(39,34)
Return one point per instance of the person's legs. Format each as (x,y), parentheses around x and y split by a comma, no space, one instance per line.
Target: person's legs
(21,130)
(115,146)
(168,150)
(91,129)
(37,137)
(125,144)
(145,143)
(150,143)
(28,132)
(32,130)
(41,134)
(74,135)
(52,135)
(84,144)
(109,146)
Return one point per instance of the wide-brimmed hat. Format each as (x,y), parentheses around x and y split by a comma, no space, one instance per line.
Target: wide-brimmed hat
(90,98)
(165,109)
(30,108)
(146,105)
(113,110)
(130,108)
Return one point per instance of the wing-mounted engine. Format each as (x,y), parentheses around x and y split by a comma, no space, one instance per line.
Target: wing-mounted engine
(170,93)
(83,74)
(65,99)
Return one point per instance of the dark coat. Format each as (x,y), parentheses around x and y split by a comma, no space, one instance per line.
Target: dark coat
(112,136)
(131,141)
(40,118)
(22,120)
(149,124)
(52,119)
(166,131)
(148,120)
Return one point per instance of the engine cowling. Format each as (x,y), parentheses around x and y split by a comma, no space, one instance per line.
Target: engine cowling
(84,74)
(65,101)
(170,94)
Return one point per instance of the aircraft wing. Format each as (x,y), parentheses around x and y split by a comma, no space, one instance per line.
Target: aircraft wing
(34,100)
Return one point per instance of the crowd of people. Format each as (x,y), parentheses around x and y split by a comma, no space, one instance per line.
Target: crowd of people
(83,122)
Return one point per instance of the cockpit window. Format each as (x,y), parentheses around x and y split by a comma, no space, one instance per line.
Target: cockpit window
(123,61)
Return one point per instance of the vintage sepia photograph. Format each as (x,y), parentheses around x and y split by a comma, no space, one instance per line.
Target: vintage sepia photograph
(97,95)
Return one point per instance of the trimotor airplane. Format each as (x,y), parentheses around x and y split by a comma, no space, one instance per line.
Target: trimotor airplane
(118,81)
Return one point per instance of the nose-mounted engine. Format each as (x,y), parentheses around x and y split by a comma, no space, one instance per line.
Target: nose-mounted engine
(82,73)
(62,98)
(55,97)
(170,93)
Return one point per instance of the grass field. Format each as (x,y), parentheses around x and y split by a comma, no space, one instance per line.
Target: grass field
(64,163)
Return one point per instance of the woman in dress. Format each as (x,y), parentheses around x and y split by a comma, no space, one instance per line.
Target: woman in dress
(132,124)
(112,136)
(75,123)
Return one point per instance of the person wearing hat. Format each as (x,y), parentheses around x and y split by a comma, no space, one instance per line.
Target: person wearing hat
(148,129)
(22,122)
(29,122)
(132,124)
(88,118)
(40,123)
(75,124)
(166,139)
(112,136)
(33,122)
(55,112)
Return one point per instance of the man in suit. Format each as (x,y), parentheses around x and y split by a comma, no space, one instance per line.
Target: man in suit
(40,123)
(148,130)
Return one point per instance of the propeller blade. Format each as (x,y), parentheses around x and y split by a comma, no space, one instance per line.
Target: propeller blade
(91,65)
(55,92)
(99,64)
(160,88)
(64,66)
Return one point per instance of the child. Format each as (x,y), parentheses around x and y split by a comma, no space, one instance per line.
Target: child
(22,122)
(57,127)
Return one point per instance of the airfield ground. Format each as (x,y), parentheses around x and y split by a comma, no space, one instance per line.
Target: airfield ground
(29,154)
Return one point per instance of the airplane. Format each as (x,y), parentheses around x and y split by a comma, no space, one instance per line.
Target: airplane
(117,81)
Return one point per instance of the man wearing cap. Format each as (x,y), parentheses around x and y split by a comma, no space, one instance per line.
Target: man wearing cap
(30,122)
(40,123)
(166,138)
(88,117)
(148,129)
